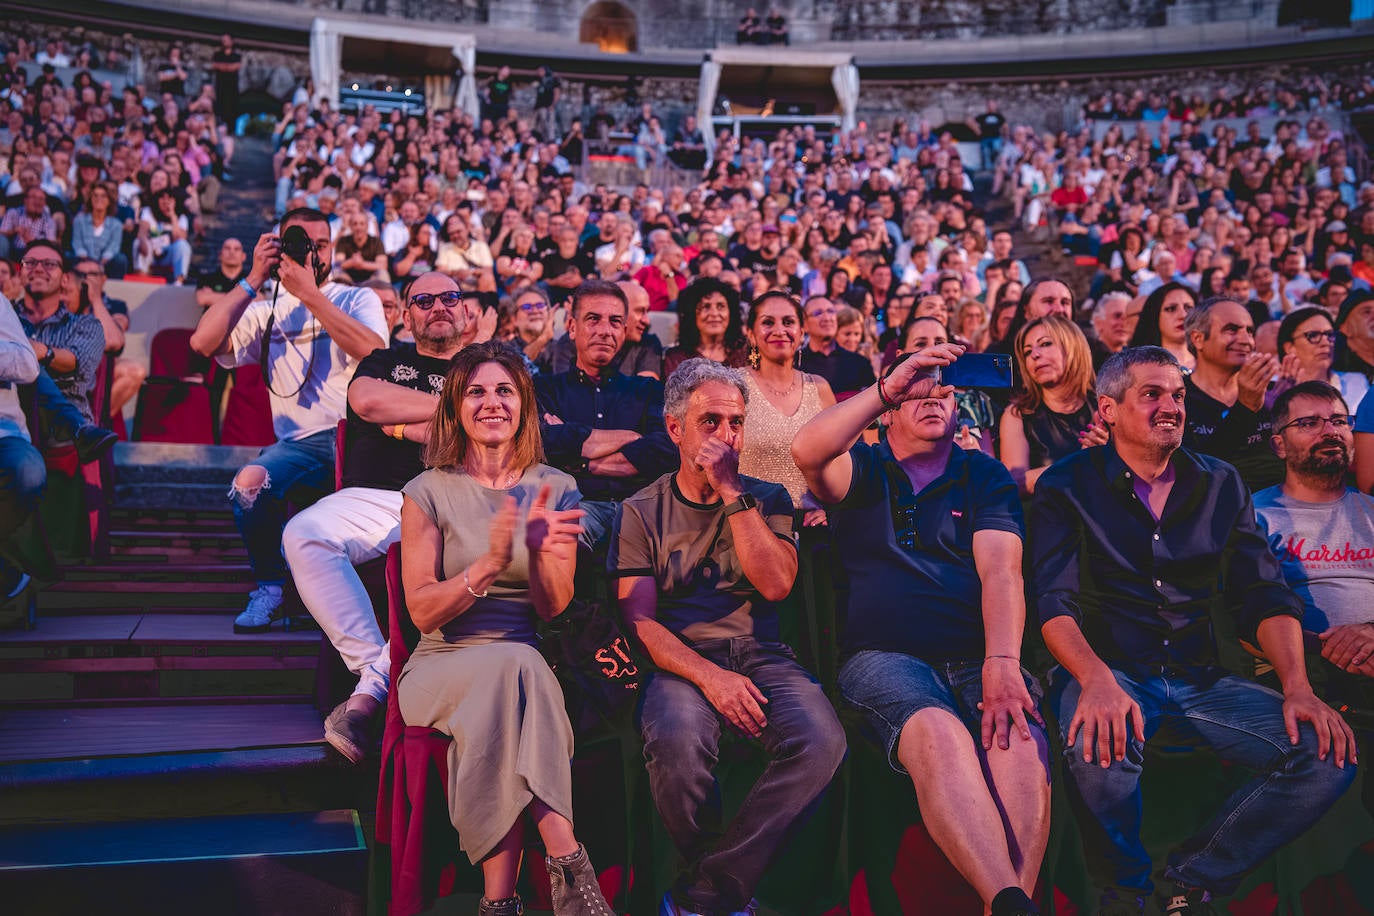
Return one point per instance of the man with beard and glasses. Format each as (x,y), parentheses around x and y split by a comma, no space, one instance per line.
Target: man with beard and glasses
(391,399)
(1322,531)
(1138,546)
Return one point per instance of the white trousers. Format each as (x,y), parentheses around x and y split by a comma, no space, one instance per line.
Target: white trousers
(322,545)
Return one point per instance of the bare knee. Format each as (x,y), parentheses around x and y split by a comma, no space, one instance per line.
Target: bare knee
(931,735)
(129,371)
(248,484)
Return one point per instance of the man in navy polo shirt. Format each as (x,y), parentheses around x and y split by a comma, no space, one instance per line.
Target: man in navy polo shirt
(937,673)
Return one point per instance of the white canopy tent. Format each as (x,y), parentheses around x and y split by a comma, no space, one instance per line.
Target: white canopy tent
(327,53)
(747,62)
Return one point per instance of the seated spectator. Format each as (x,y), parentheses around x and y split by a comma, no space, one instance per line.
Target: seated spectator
(1355,325)
(664,278)
(715,643)
(462,257)
(518,265)
(1112,326)
(417,258)
(113,315)
(710,326)
(621,258)
(938,677)
(1306,345)
(844,370)
(22,470)
(163,233)
(211,286)
(782,400)
(1138,649)
(775,28)
(359,254)
(689,147)
(69,347)
(1227,418)
(1040,298)
(313,335)
(391,401)
(1055,414)
(533,323)
(98,233)
(565,267)
(748,29)
(1161,323)
(25,223)
(488,538)
(1316,526)
(603,427)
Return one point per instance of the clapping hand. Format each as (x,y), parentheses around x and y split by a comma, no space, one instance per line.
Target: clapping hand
(552,533)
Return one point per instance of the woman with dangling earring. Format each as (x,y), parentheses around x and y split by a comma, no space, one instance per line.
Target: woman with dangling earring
(782,399)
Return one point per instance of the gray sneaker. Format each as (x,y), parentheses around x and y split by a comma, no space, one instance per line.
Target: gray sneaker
(575,888)
(263,604)
(349,732)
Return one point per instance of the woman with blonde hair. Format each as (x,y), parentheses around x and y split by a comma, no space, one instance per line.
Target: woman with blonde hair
(970,325)
(488,545)
(1056,413)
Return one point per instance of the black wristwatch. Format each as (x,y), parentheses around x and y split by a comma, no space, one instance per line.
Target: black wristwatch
(48,356)
(743,504)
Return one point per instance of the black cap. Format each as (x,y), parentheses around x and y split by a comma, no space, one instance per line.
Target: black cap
(1352,302)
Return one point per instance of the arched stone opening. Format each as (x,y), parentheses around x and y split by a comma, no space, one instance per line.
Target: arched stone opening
(611,26)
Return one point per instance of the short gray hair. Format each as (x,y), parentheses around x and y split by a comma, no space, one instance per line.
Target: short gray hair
(1101,308)
(1200,319)
(1115,375)
(691,375)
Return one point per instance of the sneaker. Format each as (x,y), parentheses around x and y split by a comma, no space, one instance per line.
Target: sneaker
(263,603)
(1121,901)
(1185,901)
(349,732)
(670,907)
(13,581)
(93,443)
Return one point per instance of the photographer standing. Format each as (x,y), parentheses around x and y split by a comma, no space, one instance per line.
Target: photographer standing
(308,338)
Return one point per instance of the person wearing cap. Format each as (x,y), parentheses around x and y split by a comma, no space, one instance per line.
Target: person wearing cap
(1355,327)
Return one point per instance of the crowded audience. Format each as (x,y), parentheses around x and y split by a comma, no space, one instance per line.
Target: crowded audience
(663,385)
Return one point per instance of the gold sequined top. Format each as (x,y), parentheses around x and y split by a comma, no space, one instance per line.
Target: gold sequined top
(768,435)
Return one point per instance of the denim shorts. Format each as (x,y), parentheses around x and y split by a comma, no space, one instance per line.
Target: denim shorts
(891,687)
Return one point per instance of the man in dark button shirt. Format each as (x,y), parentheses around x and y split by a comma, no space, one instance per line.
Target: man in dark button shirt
(930,536)
(1226,414)
(846,372)
(390,402)
(604,428)
(1134,545)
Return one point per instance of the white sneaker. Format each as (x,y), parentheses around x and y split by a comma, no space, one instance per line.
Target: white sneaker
(263,603)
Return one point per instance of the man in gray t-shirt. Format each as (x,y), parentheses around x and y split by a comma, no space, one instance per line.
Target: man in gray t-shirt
(702,555)
(1323,534)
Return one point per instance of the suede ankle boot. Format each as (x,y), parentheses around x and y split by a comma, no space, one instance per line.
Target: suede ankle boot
(575,889)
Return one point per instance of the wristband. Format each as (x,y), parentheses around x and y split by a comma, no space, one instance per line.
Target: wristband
(247,287)
(468,585)
(398,432)
(882,396)
(1010,658)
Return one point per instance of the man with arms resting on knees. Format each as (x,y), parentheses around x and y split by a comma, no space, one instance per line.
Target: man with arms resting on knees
(318,332)
(391,399)
(702,557)
(1135,545)
(931,536)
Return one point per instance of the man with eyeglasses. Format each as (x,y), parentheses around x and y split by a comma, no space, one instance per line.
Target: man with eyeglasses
(113,315)
(846,372)
(307,338)
(1138,547)
(1226,414)
(391,400)
(930,535)
(1322,532)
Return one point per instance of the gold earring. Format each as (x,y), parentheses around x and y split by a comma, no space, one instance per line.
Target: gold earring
(753,357)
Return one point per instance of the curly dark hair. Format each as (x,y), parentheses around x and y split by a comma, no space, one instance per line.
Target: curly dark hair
(688,335)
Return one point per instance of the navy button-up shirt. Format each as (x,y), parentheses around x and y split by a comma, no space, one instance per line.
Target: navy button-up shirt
(616,401)
(1144,591)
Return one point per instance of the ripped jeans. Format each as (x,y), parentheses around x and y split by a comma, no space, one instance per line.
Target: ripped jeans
(299,469)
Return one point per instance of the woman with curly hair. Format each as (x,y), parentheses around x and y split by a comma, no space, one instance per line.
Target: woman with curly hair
(710,326)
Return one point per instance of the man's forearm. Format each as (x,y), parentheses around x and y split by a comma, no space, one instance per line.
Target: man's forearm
(211,336)
(1280,639)
(1066,642)
(767,561)
(668,652)
(1004,612)
(386,403)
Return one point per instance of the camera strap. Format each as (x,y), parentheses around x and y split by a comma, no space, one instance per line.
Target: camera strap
(264,350)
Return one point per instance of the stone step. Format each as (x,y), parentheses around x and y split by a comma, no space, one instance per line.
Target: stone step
(151,571)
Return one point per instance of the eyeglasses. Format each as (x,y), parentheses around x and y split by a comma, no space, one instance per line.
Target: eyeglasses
(1314,337)
(84,275)
(1338,421)
(41,264)
(425,301)
(533,306)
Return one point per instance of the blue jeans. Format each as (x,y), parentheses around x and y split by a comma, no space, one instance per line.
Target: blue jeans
(991,148)
(597,523)
(805,745)
(60,418)
(22,478)
(294,468)
(1242,722)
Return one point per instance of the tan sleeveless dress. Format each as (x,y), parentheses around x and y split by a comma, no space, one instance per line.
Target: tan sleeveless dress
(768,435)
